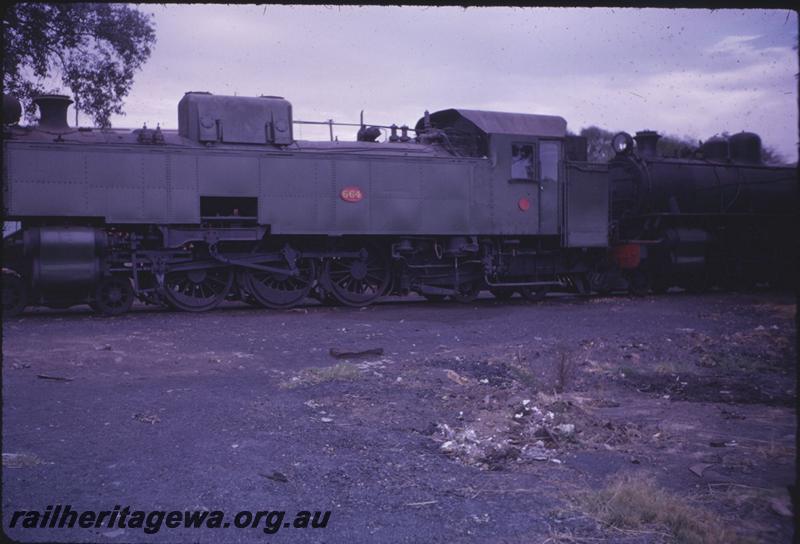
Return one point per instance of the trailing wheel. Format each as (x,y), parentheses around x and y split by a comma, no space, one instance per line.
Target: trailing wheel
(534,293)
(357,281)
(15,294)
(197,290)
(281,290)
(113,295)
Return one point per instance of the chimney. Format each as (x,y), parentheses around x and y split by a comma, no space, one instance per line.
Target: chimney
(53,110)
(646,141)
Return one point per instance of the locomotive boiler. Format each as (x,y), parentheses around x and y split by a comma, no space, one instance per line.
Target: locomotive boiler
(719,217)
(230,206)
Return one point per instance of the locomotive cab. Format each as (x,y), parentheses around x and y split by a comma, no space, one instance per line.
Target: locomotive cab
(525,152)
(529,168)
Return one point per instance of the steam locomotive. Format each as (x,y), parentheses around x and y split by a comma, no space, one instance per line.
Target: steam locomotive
(232,206)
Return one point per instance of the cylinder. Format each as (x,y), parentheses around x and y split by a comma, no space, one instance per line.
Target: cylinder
(64,257)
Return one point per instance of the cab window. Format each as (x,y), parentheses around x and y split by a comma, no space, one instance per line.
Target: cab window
(522,161)
(549,153)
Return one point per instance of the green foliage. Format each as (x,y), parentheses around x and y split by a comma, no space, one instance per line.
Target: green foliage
(93,48)
(598,142)
(771,157)
(676,146)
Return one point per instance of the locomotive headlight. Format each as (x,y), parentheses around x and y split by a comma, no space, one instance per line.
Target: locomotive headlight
(622,143)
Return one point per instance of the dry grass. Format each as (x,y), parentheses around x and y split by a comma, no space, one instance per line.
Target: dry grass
(765,501)
(522,373)
(786,311)
(667,368)
(318,375)
(735,363)
(20,460)
(635,503)
(565,370)
(772,451)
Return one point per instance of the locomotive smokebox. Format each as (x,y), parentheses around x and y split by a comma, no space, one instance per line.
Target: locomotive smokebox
(646,141)
(53,110)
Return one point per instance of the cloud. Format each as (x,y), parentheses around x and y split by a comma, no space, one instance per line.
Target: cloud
(757,91)
(680,71)
(744,51)
(733,44)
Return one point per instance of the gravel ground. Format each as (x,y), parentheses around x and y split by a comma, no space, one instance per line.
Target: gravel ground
(461,423)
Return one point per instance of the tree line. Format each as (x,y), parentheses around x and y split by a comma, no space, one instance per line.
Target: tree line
(94,49)
(599,146)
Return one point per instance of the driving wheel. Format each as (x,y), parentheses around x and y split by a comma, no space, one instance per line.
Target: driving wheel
(281,290)
(358,281)
(197,290)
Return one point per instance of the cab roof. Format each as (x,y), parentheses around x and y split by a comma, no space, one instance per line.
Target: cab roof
(498,122)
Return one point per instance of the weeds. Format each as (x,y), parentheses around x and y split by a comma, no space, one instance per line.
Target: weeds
(758,499)
(522,373)
(565,368)
(734,362)
(318,375)
(19,460)
(667,368)
(635,503)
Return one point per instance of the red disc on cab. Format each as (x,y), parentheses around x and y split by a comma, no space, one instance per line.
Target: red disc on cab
(524,204)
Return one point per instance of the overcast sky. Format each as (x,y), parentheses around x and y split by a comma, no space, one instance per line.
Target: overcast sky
(678,71)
